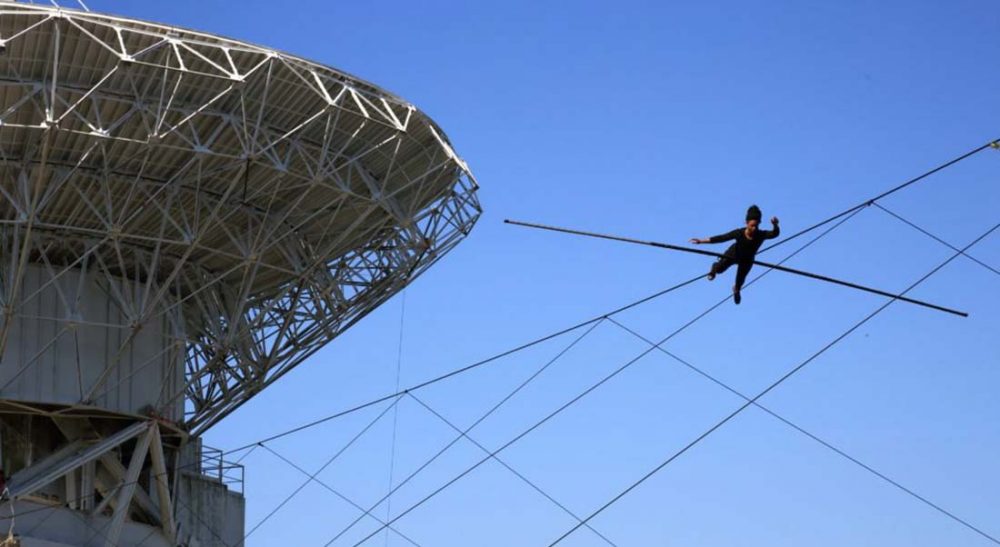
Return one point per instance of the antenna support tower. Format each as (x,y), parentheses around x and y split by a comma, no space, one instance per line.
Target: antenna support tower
(184,218)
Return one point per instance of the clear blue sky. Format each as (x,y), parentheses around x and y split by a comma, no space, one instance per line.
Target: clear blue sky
(663,120)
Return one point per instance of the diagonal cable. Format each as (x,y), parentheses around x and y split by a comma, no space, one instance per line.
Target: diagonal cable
(509,468)
(247,455)
(473,366)
(938,239)
(798,428)
(767,390)
(893,190)
(338,494)
(478,421)
(320,470)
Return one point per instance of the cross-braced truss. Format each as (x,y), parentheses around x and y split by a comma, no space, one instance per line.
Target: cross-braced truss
(257,203)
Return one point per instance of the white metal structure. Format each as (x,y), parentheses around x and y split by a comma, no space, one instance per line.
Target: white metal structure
(183,219)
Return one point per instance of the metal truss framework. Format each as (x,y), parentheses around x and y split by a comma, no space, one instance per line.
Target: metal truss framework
(259,203)
(74,468)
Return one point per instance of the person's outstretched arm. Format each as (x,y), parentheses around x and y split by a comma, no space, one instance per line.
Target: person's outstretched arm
(717,239)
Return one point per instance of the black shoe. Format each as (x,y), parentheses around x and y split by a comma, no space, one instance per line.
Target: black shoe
(736,296)
(711,275)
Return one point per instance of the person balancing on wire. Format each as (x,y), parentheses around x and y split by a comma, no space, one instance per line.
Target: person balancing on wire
(743,251)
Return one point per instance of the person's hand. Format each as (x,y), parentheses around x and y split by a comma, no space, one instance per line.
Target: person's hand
(774,220)
(695,240)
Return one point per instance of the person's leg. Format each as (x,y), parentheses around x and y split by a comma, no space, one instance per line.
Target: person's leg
(727,259)
(719,266)
(741,276)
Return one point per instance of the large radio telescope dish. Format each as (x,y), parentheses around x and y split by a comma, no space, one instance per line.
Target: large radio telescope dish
(246,204)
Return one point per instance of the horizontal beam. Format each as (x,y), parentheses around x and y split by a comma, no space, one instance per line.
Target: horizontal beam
(720,255)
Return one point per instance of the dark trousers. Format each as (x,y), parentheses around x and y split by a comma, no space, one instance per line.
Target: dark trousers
(742,268)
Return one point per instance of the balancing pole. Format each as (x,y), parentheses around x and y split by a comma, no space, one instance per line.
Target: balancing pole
(719,255)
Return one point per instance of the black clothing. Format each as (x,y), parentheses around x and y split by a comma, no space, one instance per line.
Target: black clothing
(742,268)
(742,252)
(745,249)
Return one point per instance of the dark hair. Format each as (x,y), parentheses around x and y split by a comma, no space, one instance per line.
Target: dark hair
(753,213)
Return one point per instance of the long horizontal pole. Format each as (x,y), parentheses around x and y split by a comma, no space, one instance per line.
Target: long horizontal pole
(720,255)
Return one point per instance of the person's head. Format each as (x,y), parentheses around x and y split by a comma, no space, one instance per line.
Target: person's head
(753,218)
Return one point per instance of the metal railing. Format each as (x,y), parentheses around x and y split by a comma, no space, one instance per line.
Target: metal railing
(215,467)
